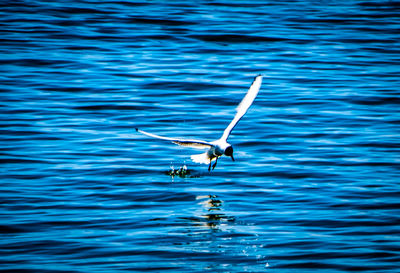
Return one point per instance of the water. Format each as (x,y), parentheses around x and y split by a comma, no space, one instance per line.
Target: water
(315,185)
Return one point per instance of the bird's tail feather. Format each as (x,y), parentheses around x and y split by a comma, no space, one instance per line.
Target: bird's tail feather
(201,158)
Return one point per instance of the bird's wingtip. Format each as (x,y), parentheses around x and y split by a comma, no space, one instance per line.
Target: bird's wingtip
(258,77)
(137,129)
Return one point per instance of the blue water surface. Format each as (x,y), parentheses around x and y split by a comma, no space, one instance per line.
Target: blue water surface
(315,185)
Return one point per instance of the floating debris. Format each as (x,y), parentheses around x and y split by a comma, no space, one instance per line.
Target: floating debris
(181,172)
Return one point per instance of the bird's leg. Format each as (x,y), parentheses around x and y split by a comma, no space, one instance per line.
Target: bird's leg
(215,164)
(209,166)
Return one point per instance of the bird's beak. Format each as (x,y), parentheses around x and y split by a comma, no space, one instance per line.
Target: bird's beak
(232,158)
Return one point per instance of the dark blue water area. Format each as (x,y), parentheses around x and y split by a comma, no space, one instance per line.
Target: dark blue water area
(315,186)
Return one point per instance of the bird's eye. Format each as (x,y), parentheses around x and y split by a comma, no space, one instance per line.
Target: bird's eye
(229,151)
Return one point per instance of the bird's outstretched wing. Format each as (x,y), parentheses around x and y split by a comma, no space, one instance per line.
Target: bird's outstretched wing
(182,142)
(244,105)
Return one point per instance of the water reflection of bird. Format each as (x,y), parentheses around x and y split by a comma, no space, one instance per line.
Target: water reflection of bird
(211,202)
(220,146)
(214,216)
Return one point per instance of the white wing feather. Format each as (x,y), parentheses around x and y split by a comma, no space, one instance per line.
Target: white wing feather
(244,105)
(182,142)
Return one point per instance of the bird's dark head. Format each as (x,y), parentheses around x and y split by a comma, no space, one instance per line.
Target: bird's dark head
(229,152)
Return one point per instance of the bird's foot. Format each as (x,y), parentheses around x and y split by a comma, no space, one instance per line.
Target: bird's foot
(215,164)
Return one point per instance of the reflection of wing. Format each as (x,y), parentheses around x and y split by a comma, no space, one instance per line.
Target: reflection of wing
(244,105)
(183,142)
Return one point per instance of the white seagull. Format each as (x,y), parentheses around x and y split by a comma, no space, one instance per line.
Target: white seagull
(218,147)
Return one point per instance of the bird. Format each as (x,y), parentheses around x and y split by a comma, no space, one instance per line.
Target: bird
(219,147)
